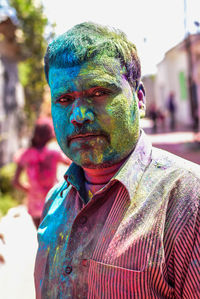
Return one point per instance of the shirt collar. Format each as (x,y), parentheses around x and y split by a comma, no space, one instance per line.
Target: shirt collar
(129,174)
(75,176)
(132,170)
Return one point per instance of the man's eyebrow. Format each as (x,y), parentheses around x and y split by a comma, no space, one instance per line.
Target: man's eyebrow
(105,84)
(58,93)
(87,84)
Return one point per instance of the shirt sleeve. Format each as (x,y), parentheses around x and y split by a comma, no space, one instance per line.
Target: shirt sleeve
(186,252)
(21,157)
(191,288)
(182,236)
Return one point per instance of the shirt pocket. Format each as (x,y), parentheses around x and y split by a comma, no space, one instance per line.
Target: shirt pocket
(111,282)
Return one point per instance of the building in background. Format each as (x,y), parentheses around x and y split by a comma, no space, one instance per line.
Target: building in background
(11,91)
(179,73)
(149,84)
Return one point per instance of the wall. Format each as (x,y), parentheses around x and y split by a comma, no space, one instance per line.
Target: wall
(172,77)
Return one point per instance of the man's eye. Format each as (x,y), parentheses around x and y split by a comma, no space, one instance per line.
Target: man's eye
(64,100)
(100,93)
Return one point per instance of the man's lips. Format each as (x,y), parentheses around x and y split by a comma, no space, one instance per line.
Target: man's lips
(85,137)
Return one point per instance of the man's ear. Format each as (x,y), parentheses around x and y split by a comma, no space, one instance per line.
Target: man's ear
(141,99)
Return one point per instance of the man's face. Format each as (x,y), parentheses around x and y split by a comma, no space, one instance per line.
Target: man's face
(95,112)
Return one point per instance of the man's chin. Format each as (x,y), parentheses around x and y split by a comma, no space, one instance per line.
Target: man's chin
(94,164)
(89,164)
(88,157)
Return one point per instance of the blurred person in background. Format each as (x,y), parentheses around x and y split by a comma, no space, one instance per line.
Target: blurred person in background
(40,164)
(153,114)
(171,106)
(161,119)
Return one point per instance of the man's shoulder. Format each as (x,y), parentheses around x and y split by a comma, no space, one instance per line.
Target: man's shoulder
(172,181)
(54,194)
(173,163)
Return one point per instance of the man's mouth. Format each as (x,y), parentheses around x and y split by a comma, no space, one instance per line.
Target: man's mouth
(85,137)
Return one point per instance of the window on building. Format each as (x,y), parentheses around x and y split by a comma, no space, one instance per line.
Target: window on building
(183,86)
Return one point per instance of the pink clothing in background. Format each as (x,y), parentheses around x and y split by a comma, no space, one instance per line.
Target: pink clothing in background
(40,166)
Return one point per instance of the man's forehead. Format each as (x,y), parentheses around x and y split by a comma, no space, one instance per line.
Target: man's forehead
(89,73)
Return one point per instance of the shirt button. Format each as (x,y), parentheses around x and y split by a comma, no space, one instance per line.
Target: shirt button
(83,220)
(68,270)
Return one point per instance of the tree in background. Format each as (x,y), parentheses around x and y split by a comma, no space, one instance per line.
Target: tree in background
(33,24)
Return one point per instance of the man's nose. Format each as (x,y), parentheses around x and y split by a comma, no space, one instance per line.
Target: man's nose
(81,114)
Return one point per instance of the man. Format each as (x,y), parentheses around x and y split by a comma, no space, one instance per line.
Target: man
(124,223)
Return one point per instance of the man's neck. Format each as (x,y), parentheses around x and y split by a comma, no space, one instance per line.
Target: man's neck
(101,176)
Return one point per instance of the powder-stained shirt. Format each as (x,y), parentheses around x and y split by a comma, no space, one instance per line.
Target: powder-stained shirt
(40,166)
(138,237)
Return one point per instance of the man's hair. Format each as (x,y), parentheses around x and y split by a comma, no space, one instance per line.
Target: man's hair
(43,132)
(87,40)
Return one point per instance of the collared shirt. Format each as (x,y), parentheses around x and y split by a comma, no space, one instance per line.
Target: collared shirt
(138,237)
